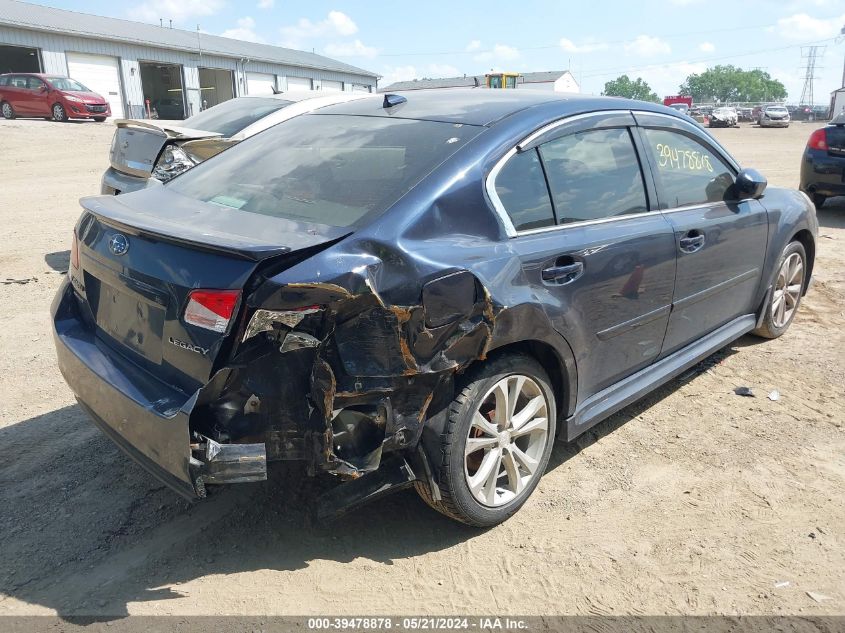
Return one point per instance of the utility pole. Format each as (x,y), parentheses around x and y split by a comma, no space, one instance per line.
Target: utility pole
(810,56)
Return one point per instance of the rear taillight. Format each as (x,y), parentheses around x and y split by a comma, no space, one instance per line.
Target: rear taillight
(211,309)
(818,140)
(74,253)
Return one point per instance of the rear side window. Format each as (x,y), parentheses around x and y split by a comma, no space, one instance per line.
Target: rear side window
(521,187)
(688,172)
(4,81)
(594,175)
(230,117)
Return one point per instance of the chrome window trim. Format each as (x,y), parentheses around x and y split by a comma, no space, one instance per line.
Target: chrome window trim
(499,208)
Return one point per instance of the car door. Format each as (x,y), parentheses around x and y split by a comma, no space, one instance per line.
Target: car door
(720,242)
(39,96)
(598,258)
(16,93)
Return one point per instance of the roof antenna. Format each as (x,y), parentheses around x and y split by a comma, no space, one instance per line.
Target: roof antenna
(161,22)
(391,100)
(171,24)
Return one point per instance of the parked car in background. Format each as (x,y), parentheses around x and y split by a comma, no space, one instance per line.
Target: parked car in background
(147,152)
(395,291)
(168,109)
(722,117)
(821,112)
(50,97)
(773,116)
(823,162)
(745,114)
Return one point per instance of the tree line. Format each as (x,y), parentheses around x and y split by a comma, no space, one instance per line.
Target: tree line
(720,83)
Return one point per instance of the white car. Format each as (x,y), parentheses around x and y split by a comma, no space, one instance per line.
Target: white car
(723,117)
(145,152)
(774,116)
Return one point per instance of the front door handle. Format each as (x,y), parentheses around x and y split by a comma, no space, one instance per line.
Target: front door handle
(563,273)
(692,241)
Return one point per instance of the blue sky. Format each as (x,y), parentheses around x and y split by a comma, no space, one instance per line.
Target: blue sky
(662,41)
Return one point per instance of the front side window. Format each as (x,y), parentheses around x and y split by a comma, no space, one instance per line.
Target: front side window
(594,175)
(688,172)
(34,83)
(66,83)
(337,170)
(521,188)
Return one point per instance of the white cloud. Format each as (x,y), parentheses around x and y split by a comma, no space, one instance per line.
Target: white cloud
(802,27)
(706,47)
(588,46)
(336,23)
(245,31)
(666,79)
(647,46)
(176,10)
(500,53)
(266,4)
(350,49)
(474,45)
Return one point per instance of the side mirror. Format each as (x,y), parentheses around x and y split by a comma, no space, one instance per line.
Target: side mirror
(750,184)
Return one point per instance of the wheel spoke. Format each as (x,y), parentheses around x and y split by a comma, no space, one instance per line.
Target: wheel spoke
(475,444)
(797,273)
(533,426)
(528,412)
(484,425)
(515,482)
(485,477)
(528,463)
(500,392)
(515,385)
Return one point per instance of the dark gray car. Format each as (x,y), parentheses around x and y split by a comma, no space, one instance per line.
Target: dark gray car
(422,291)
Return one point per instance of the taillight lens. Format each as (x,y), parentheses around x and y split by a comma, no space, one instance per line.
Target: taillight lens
(818,140)
(211,309)
(74,252)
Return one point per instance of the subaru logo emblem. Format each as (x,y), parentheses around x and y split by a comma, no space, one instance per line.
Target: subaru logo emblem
(118,244)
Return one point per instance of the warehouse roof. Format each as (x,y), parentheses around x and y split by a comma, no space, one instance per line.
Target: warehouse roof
(39,18)
(468,81)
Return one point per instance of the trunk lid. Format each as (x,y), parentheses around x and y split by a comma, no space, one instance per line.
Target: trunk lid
(835,135)
(137,144)
(136,300)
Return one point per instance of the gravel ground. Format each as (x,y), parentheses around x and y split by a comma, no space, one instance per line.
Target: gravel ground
(692,501)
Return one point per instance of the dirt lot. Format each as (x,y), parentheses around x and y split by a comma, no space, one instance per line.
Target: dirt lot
(694,500)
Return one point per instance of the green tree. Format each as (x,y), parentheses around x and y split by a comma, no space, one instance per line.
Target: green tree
(729,83)
(624,87)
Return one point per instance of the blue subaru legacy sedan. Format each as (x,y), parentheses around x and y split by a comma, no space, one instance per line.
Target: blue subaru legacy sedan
(420,290)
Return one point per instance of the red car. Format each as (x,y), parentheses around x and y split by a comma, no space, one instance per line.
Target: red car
(49,96)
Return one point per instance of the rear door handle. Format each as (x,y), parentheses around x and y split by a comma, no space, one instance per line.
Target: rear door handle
(563,273)
(692,241)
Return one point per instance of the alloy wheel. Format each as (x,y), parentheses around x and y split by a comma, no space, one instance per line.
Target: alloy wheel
(7,111)
(58,112)
(506,440)
(787,290)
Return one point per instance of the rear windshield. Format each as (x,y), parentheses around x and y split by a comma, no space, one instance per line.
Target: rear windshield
(337,170)
(777,110)
(65,83)
(230,117)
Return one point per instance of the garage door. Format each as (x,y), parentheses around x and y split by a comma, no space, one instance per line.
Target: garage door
(260,84)
(101,74)
(299,83)
(331,86)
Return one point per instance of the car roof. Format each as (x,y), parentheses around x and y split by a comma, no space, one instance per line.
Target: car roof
(483,106)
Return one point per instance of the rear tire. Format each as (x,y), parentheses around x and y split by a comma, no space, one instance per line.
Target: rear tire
(507,409)
(787,291)
(59,114)
(99,119)
(8,110)
(818,200)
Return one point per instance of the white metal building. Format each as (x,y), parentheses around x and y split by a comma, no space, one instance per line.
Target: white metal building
(181,72)
(556,80)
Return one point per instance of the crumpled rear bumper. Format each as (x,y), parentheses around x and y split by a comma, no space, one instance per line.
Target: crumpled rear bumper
(145,417)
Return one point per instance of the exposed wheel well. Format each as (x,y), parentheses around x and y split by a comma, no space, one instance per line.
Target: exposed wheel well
(806,239)
(546,355)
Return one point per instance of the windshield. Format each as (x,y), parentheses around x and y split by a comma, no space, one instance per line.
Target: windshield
(230,117)
(66,83)
(326,169)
